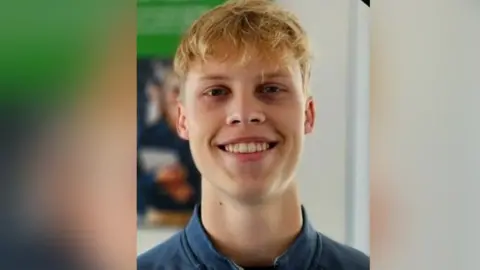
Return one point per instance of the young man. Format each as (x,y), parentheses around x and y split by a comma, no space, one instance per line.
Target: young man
(246,109)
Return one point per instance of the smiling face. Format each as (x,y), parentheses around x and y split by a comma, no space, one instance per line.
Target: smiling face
(244,68)
(246,124)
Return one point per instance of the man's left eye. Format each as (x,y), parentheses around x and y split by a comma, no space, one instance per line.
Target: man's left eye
(270,89)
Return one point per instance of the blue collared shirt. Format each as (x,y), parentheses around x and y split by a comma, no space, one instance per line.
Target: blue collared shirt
(192,249)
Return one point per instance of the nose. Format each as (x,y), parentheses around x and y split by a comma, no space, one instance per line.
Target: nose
(245,113)
(252,118)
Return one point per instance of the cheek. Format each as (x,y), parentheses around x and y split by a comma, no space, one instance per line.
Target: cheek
(201,127)
(288,119)
(198,108)
(204,117)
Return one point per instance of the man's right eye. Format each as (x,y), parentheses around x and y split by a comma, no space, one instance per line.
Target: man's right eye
(216,92)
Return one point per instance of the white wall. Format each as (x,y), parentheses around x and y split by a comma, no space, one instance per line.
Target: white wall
(323,171)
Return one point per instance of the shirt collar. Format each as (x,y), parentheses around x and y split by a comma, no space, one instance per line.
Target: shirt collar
(301,254)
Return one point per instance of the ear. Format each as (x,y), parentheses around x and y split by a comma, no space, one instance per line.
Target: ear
(309,115)
(182,128)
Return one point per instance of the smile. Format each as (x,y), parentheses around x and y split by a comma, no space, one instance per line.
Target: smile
(247,147)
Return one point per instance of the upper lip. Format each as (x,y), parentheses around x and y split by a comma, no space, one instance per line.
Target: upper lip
(255,139)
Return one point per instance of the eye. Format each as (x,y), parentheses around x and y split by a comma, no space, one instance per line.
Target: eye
(216,92)
(270,89)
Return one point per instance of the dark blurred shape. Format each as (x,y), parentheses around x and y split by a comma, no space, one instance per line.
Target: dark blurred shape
(27,250)
(26,240)
(144,73)
(67,117)
(168,191)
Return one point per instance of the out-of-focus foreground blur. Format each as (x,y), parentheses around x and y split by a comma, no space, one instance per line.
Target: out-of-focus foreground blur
(68,102)
(425,134)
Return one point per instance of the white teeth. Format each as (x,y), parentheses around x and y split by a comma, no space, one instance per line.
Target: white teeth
(246,147)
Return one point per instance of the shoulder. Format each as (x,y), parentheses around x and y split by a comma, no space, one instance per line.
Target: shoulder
(168,255)
(335,255)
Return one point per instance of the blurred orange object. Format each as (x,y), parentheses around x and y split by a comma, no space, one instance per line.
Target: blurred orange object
(173,179)
(172,173)
(182,193)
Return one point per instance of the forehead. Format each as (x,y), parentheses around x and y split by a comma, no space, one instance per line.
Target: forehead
(246,67)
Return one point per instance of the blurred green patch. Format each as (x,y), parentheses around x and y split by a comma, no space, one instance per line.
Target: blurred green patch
(47,48)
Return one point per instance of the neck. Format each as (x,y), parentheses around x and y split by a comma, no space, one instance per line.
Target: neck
(251,235)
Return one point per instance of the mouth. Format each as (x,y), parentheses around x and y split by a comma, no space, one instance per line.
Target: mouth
(248,147)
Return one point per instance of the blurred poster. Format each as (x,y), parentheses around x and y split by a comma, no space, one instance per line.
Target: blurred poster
(168,183)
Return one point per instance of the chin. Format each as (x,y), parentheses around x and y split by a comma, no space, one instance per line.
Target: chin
(251,189)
